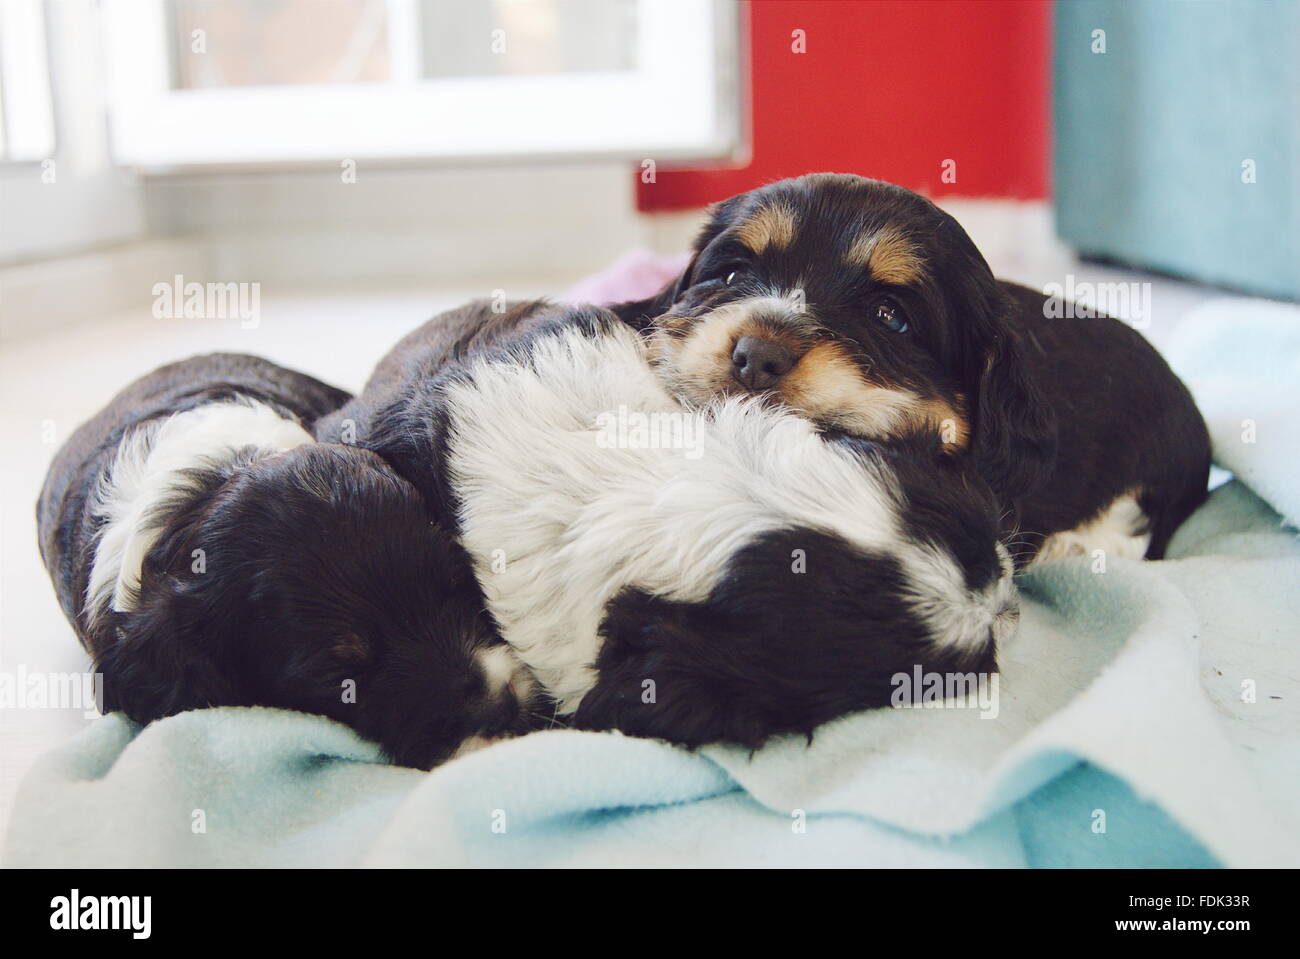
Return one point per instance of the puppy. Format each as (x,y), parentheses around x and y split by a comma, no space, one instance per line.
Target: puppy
(208,552)
(866,308)
(714,575)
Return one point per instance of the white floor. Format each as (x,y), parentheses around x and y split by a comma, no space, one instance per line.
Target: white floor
(56,380)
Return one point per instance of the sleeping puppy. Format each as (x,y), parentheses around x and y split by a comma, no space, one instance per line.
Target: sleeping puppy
(714,575)
(867,309)
(208,552)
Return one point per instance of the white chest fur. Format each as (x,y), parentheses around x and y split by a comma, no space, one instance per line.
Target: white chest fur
(559,514)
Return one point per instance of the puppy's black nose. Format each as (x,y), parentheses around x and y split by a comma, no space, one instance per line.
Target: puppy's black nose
(758,363)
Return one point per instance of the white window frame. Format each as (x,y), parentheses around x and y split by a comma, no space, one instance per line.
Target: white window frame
(680,103)
(26,117)
(66,197)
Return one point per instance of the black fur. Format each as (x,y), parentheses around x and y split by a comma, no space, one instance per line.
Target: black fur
(768,652)
(319,565)
(65,530)
(401,413)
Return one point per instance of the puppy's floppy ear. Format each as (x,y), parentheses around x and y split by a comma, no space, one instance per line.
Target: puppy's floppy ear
(639,314)
(665,672)
(167,652)
(1015,430)
(157,663)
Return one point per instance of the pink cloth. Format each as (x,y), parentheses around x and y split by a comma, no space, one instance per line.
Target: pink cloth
(635,275)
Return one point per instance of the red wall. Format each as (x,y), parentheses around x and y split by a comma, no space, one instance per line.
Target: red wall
(890,89)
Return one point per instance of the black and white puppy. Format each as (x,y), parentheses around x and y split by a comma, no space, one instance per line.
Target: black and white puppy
(866,308)
(209,552)
(721,574)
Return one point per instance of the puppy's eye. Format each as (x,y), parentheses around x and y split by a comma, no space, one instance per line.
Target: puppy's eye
(891,316)
(727,274)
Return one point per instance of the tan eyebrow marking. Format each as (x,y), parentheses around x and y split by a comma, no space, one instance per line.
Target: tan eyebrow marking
(770,226)
(889,255)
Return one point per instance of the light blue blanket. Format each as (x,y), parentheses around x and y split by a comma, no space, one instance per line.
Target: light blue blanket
(1148,714)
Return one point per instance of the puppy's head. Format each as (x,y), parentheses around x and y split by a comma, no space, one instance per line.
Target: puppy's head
(862,306)
(312,579)
(806,623)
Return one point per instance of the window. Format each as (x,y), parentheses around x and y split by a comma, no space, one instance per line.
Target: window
(26,120)
(59,192)
(199,82)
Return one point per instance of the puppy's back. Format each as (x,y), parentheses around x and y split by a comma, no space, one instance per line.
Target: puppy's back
(448,339)
(1127,425)
(66,528)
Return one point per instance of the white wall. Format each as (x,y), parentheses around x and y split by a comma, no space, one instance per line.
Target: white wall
(412,226)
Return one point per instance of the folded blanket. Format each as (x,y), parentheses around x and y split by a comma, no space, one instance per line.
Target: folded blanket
(1241,360)
(1121,738)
